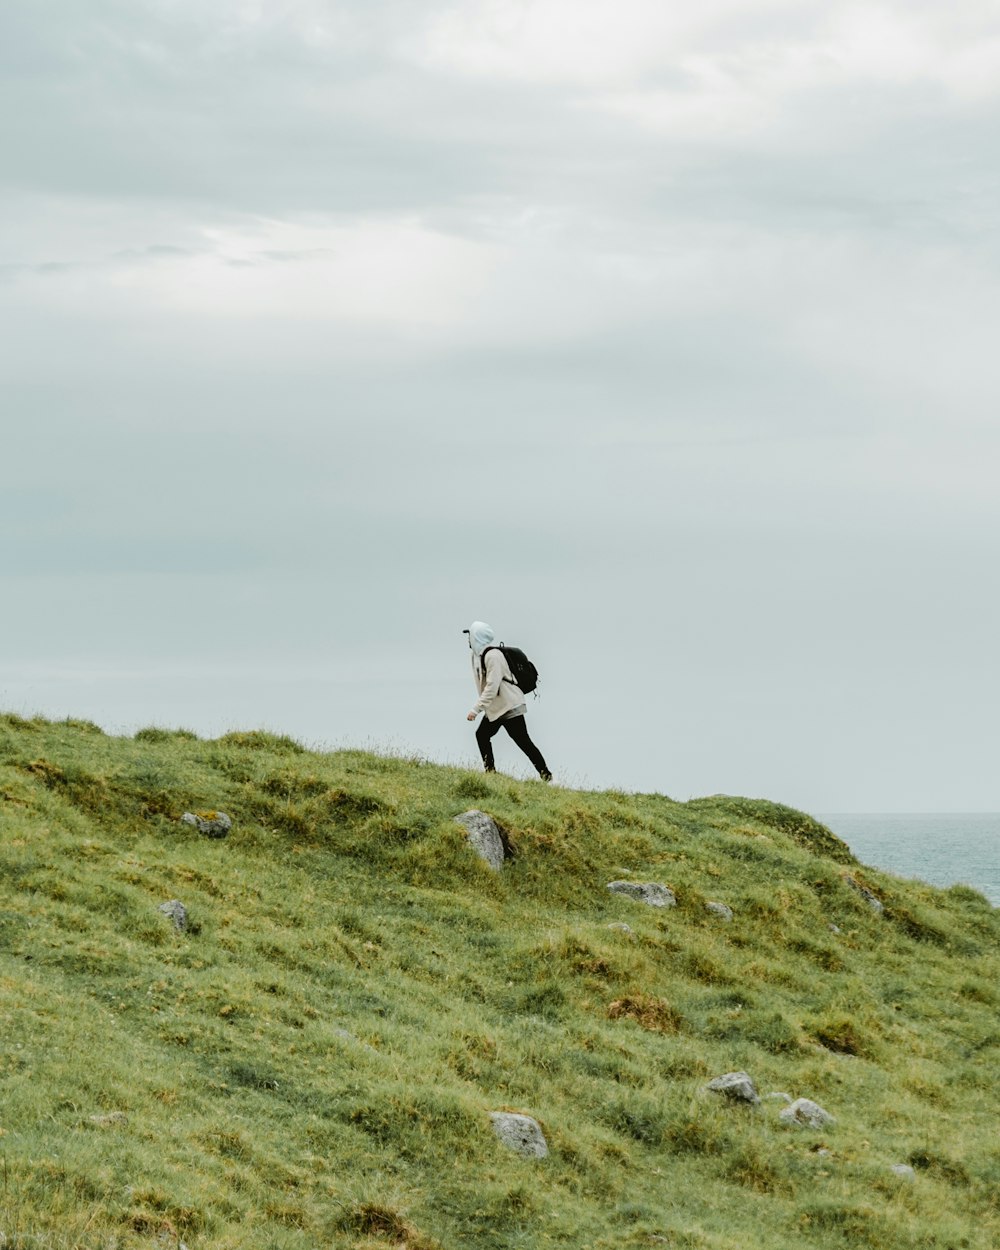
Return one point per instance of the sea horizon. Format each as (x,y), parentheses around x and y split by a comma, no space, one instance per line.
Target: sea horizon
(941,848)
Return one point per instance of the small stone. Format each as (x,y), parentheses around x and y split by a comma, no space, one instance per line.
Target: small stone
(175,911)
(835,928)
(484,837)
(738,1086)
(903,1171)
(874,903)
(211,824)
(620,926)
(652,893)
(721,910)
(520,1133)
(778,1096)
(804,1113)
(112,1119)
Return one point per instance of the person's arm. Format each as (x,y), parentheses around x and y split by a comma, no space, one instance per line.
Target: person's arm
(494,676)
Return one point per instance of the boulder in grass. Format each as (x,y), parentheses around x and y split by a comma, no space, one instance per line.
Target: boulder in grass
(652,893)
(520,1133)
(484,837)
(720,910)
(211,824)
(737,1086)
(874,903)
(176,912)
(804,1113)
(903,1171)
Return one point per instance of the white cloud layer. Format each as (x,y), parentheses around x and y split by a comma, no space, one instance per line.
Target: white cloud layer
(647,330)
(773,47)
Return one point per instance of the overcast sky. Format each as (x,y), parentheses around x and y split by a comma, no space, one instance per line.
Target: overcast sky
(661,336)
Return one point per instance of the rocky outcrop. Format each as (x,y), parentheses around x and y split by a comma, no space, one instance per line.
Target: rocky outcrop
(804,1113)
(652,893)
(211,824)
(520,1133)
(737,1086)
(874,903)
(484,837)
(720,910)
(176,912)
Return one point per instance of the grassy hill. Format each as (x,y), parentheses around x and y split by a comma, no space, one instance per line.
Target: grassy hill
(312,1063)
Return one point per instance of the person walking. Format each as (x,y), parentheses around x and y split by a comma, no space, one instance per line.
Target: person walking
(501,700)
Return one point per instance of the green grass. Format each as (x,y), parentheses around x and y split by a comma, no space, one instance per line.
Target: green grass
(313,1062)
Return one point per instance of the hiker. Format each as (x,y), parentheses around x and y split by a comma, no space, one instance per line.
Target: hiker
(500,700)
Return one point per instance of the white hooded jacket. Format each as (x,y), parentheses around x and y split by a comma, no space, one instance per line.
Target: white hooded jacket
(499,696)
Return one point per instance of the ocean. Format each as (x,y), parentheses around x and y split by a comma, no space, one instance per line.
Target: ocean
(942,849)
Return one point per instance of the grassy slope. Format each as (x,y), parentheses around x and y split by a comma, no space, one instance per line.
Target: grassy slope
(313,1062)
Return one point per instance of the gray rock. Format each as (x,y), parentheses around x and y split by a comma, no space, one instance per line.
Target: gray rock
(777,1096)
(176,912)
(806,1114)
(484,837)
(874,903)
(215,826)
(721,910)
(903,1171)
(520,1133)
(834,928)
(620,926)
(649,892)
(738,1086)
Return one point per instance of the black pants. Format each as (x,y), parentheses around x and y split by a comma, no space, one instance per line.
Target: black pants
(518,730)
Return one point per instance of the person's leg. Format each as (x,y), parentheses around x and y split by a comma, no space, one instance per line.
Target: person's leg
(484,735)
(517,727)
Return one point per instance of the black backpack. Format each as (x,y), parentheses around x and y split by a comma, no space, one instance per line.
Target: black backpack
(524,672)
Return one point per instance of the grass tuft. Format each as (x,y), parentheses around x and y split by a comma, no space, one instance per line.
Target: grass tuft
(648,1011)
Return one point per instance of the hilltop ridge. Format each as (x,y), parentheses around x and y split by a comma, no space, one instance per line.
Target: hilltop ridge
(313,1060)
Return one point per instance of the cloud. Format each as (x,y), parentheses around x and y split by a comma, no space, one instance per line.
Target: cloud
(396,274)
(771,49)
(580,43)
(364,318)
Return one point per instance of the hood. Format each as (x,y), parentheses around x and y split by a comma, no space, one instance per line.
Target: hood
(481,636)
